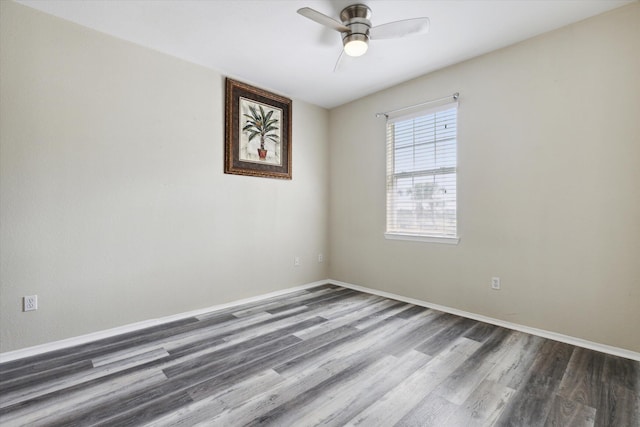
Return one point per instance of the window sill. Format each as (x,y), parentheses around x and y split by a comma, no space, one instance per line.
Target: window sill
(419,238)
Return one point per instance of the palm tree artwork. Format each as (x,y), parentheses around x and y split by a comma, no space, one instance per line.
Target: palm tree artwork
(261,124)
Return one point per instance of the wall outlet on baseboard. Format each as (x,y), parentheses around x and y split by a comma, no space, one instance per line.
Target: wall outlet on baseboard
(320,258)
(495,283)
(296,261)
(30,303)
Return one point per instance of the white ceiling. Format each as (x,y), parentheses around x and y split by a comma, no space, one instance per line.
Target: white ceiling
(266,43)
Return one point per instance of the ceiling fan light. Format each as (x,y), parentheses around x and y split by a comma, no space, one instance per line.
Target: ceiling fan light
(355,44)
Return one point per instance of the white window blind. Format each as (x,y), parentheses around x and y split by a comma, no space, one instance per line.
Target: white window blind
(421,174)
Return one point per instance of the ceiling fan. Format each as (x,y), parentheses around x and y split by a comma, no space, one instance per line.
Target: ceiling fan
(356,27)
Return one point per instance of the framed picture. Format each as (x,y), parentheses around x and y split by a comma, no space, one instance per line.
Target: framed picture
(257,132)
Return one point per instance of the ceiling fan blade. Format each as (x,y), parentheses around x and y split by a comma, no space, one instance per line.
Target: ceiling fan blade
(339,61)
(396,29)
(322,19)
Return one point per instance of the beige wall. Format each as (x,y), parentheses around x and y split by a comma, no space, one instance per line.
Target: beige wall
(548,186)
(114,206)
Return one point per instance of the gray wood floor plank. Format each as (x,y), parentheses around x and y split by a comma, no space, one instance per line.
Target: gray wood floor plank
(411,311)
(234,335)
(63,357)
(622,372)
(339,398)
(200,335)
(208,387)
(297,382)
(9,386)
(513,367)
(84,387)
(292,412)
(553,359)
(432,411)
(314,301)
(361,340)
(568,413)
(217,357)
(276,302)
(455,327)
(533,409)
(322,356)
(116,406)
(144,405)
(244,412)
(480,331)
(45,411)
(354,396)
(582,380)
(160,363)
(262,305)
(207,409)
(351,307)
(380,315)
(483,406)
(348,319)
(230,357)
(533,401)
(459,385)
(420,330)
(150,411)
(11,398)
(71,354)
(383,336)
(400,400)
(618,406)
(315,376)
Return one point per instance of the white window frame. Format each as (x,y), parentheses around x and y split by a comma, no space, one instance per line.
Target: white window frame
(395,233)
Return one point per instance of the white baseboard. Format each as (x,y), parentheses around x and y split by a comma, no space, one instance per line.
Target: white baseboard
(83,339)
(615,351)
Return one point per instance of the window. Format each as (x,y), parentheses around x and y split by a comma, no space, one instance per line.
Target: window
(421,175)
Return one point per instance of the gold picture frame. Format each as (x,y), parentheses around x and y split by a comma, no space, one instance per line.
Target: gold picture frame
(257,132)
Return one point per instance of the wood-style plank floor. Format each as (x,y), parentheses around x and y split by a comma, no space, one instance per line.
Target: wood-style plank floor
(322,356)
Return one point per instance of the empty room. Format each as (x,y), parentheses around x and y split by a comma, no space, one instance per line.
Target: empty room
(323,212)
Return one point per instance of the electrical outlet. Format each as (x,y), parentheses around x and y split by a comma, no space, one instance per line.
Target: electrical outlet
(30,303)
(296,261)
(320,258)
(495,283)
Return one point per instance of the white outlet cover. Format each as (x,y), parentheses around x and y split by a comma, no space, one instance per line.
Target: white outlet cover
(30,303)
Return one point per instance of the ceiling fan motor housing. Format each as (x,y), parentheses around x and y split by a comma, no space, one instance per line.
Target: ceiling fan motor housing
(357,18)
